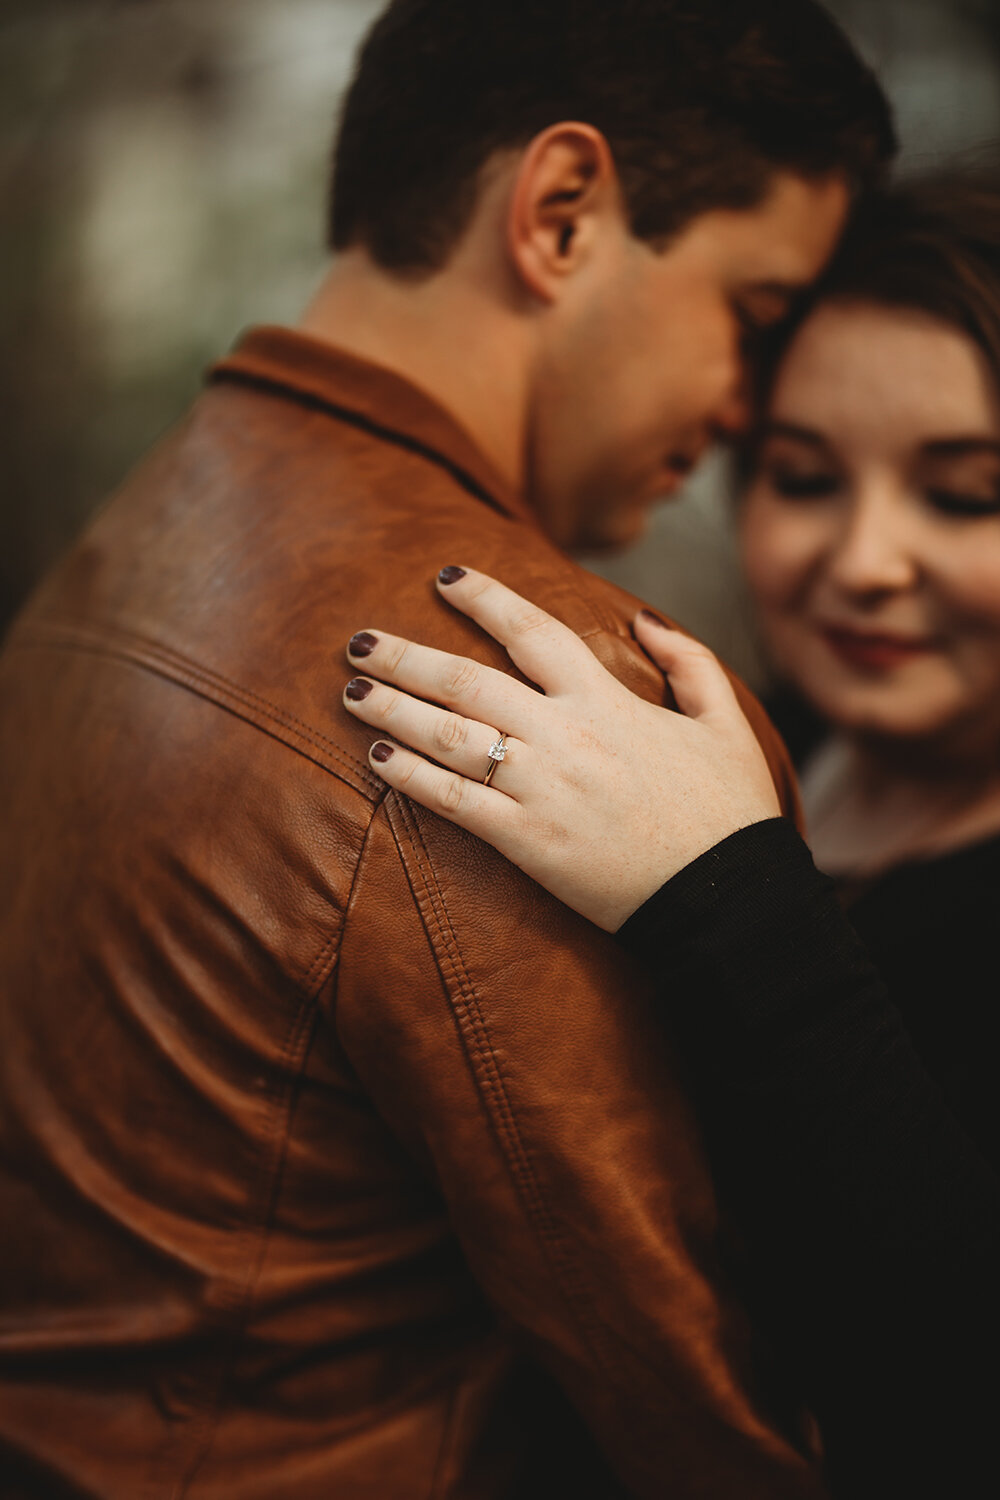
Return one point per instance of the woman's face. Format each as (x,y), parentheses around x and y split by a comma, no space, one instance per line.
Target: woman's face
(871,529)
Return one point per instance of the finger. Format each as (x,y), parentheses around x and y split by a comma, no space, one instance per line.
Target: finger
(459,683)
(541,647)
(461,744)
(700,685)
(484,811)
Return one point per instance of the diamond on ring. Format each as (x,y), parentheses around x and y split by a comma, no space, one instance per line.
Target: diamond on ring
(497,752)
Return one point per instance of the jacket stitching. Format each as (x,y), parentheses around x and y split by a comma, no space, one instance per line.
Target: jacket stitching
(326,958)
(158,657)
(469,1012)
(238,1298)
(488,1074)
(322,965)
(179,669)
(448,1427)
(235,1296)
(282,1104)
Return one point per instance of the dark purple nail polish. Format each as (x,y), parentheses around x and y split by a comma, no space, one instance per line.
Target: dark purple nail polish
(358,689)
(382,752)
(362,644)
(450,575)
(647,614)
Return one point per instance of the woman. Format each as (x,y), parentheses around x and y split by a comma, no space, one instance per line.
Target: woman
(851,1106)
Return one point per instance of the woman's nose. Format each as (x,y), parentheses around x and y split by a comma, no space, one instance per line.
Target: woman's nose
(874,551)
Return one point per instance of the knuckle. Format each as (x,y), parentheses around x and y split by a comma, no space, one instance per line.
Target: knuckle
(478,587)
(449,733)
(526,621)
(462,679)
(394,656)
(405,770)
(451,795)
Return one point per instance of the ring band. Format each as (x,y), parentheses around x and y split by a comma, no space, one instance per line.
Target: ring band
(497,752)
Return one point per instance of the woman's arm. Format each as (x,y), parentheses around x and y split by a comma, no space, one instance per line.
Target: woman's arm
(873,1218)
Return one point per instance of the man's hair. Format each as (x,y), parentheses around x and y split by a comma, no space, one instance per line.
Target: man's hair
(699,100)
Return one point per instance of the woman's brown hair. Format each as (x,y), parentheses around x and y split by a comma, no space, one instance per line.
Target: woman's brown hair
(930,245)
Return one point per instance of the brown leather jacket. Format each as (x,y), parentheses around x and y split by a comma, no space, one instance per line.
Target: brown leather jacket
(325,1132)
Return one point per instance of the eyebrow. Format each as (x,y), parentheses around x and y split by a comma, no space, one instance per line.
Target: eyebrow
(956,447)
(808,435)
(960,447)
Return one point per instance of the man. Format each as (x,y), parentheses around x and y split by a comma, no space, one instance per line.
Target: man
(336,1155)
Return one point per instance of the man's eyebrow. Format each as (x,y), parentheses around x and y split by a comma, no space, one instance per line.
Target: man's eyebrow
(960,447)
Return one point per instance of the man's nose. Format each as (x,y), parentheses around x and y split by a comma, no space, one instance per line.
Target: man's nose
(872,553)
(732,416)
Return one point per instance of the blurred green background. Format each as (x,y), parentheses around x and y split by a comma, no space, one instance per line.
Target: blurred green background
(163,173)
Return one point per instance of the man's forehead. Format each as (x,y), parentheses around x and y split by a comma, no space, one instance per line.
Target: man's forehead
(784,242)
(801,206)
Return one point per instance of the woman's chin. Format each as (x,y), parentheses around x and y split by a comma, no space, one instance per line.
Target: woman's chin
(879,713)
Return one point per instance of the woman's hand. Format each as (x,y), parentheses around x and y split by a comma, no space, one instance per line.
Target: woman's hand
(601,796)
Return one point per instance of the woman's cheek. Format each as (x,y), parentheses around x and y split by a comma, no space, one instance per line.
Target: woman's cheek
(777,552)
(974,584)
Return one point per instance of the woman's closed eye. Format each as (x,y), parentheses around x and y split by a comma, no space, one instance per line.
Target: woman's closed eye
(959,503)
(962,485)
(804,484)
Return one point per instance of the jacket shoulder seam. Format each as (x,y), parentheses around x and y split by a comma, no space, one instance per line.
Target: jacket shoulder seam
(280,724)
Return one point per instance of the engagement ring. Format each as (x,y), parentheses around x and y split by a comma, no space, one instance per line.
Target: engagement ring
(497,752)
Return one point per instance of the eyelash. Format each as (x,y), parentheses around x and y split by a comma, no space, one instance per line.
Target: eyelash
(954,503)
(822,486)
(946,501)
(805,486)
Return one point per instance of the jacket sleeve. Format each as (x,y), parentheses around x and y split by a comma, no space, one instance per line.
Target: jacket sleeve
(516,1054)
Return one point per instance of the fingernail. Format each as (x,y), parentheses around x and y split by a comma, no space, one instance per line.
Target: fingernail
(358,689)
(362,644)
(382,752)
(647,614)
(450,575)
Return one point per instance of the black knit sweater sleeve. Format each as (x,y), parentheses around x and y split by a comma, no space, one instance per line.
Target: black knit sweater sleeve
(873,1218)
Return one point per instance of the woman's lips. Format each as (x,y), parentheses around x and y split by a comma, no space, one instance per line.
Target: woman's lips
(873,651)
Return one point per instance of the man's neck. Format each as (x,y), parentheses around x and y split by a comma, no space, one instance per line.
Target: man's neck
(446,334)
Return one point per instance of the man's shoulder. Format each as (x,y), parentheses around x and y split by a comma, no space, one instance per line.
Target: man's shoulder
(263,533)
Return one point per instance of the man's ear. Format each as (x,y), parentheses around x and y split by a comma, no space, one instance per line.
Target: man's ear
(565,191)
